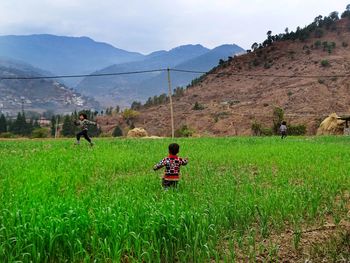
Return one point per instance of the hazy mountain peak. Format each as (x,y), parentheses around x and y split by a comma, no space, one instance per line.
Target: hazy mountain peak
(64,55)
(189,46)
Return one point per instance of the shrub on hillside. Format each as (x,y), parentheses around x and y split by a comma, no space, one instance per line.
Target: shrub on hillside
(318,44)
(130,115)
(325,63)
(198,106)
(184,131)
(297,130)
(267,65)
(117,132)
(321,81)
(256,62)
(259,130)
(40,133)
(256,128)
(7,135)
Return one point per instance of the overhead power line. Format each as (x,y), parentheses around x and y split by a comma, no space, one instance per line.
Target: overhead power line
(83,75)
(345,75)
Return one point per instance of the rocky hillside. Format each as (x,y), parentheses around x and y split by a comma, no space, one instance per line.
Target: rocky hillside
(36,95)
(247,89)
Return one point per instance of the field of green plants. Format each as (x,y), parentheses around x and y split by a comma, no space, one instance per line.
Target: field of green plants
(66,203)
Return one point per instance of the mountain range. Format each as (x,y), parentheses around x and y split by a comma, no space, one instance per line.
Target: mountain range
(64,55)
(51,55)
(128,88)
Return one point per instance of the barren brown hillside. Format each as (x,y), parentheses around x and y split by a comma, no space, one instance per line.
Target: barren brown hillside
(233,102)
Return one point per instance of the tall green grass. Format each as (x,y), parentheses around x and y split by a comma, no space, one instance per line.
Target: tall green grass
(62,203)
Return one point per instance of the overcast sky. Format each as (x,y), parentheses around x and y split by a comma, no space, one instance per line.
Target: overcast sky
(149,25)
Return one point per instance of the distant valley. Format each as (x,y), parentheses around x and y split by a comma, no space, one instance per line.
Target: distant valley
(128,88)
(36,95)
(47,55)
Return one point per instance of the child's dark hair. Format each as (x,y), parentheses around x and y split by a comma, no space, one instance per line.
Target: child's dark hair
(83,114)
(284,123)
(174,148)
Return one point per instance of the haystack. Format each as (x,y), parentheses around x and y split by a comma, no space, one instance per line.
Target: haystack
(137,133)
(331,126)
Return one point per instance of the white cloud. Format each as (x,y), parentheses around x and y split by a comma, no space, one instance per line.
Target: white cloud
(161,24)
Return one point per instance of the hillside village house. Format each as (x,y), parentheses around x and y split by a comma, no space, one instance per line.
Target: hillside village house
(44,122)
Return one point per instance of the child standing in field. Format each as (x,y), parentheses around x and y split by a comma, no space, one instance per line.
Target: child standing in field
(172,165)
(283,130)
(84,123)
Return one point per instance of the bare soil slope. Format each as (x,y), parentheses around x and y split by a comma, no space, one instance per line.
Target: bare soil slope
(247,88)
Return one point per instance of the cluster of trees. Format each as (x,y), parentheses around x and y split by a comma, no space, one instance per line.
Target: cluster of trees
(110,111)
(129,115)
(198,80)
(327,46)
(184,131)
(158,100)
(198,106)
(314,29)
(136,105)
(65,124)
(346,13)
(20,126)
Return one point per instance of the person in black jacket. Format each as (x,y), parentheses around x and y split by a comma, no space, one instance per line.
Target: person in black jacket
(84,123)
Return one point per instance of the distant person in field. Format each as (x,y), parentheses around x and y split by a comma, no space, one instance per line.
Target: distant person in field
(172,165)
(283,130)
(84,123)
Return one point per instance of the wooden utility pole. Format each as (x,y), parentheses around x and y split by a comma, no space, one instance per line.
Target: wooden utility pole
(22,101)
(171,106)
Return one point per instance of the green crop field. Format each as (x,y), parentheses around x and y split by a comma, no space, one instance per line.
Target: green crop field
(66,203)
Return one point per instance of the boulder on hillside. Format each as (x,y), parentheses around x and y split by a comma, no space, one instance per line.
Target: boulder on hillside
(332,125)
(137,133)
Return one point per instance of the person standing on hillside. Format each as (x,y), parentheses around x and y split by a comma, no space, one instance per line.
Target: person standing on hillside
(172,165)
(283,130)
(84,123)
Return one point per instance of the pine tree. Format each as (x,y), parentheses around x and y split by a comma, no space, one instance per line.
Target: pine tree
(3,124)
(53,126)
(94,131)
(68,126)
(19,125)
(117,109)
(118,132)
(36,124)
(28,127)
